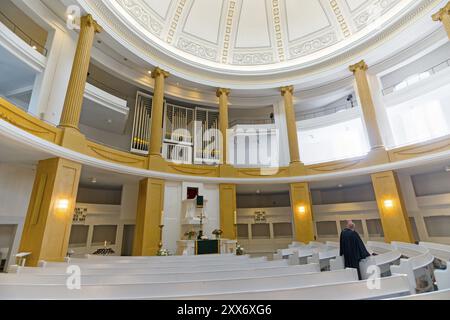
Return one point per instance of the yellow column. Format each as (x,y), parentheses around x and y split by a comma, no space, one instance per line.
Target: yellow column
(367,106)
(50,212)
(444,16)
(302,212)
(223,94)
(74,98)
(394,218)
(157,112)
(228,214)
(288,95)
(149,217)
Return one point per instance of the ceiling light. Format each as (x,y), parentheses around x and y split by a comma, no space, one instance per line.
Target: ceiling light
(70,17)
(94,180)
(447,169)
(34,47)
(109,121)
(301,209)
(150,72)
(258,191)
(340,185)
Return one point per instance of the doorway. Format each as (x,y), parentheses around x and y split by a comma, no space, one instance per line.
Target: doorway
(7,235)
(127,241)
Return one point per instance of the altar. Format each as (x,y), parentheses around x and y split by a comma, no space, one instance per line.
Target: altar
(198,247)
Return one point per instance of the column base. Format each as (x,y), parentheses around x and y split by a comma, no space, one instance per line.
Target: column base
(73,139)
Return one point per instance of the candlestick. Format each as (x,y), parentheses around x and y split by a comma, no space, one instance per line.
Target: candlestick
(160,237)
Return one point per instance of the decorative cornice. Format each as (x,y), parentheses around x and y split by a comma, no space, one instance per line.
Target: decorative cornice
(360,66)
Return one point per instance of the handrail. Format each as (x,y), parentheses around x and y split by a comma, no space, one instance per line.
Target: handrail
(23,35)
(250,122)
(433,70)
(325,111)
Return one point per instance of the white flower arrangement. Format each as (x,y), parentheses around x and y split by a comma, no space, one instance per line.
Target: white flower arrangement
(163,253)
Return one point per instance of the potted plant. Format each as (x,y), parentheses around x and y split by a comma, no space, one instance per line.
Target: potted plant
(163,253)
(239,250)
(217,233)
(190,234)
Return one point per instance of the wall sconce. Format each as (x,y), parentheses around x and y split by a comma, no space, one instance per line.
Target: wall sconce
(301,209)
(62,204)
(388,203)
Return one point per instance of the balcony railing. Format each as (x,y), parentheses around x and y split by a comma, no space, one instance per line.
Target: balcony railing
(250,122)
(22,34)
(417,77)
(325,111)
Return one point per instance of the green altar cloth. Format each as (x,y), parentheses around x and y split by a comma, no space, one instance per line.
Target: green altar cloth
(207,247)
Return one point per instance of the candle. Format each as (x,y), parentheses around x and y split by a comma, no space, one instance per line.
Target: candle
(235,217)
(106,243)
(162,218)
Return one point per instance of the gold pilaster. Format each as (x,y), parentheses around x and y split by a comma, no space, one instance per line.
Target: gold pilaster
(50,211)
(359,70)
(228,211)
(223,94)
(149,217)
(70,116)
(301,205)
(394,218)
(157,112)
(288,95)
(443,16)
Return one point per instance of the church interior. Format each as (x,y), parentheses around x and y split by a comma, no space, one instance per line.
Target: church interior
(220,149)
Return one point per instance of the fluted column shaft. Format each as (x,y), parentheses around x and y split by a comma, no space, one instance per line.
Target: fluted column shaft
(70,116)
(367,106)
(223,94)
(157,111)
(444,16)
(291,124)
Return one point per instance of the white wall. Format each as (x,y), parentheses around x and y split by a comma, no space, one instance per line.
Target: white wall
(16,184)
(173,228)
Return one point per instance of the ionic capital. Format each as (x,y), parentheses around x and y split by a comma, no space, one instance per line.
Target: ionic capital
(445,11)
(223,91)
(360,66)
(88,22)
(287,89)
(158,72)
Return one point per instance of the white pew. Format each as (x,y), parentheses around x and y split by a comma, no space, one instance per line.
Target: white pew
(93,258)
(357,290)
(416,267)
(296,244)
(120,278)
(379,247)
(409,249)
(383,261)
(173,290)
(323,258)
(435,295)
(136,264)
(440,251)
(155,270)
(442,278)
(333,244)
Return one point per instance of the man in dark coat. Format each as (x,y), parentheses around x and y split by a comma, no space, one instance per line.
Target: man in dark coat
(352,247)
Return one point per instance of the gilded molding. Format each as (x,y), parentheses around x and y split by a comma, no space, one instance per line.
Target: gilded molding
(88,21)
(222,91)
(445,11)
(287,89)
(360,66)
(157,72)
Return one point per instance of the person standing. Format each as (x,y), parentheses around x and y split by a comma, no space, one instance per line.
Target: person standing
(352,247)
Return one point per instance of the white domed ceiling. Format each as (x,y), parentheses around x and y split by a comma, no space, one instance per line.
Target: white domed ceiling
(256,33)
